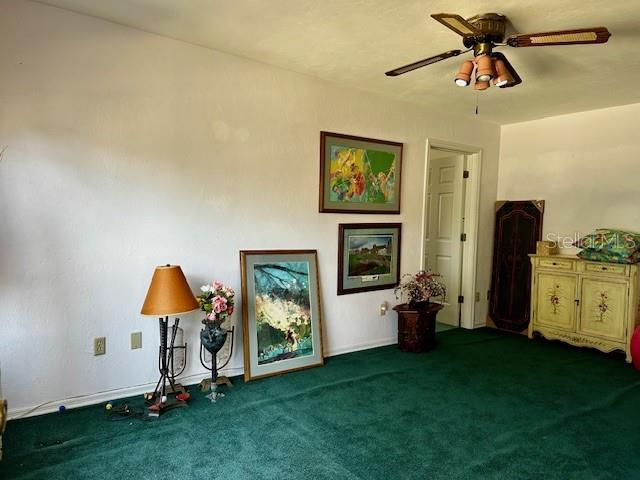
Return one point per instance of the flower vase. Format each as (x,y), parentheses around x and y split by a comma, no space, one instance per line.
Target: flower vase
(212,337)
(418,305)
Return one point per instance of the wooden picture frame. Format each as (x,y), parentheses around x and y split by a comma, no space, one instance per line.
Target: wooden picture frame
(368,256)
(359,175)
(281,312)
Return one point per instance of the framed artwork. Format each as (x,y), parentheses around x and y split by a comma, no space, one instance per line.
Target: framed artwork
(359,175)
(281,313)
(368,256)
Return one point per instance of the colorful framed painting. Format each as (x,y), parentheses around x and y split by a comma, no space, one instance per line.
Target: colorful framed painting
(359,175)
(368,256)
(281,312)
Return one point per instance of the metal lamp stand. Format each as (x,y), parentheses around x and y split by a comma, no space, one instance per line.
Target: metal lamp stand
(158,398)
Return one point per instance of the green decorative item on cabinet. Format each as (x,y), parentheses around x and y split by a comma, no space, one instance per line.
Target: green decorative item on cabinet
(617,242)
(611,257)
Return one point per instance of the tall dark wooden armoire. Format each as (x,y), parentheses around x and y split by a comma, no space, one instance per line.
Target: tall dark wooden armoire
(517,229)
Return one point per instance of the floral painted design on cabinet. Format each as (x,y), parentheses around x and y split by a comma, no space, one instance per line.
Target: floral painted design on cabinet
(554,304)
(555,294)
(603,307)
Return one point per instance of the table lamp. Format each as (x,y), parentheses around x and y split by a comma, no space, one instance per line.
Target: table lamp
(169,295)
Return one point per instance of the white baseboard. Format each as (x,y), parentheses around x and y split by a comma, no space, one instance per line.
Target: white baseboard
(105,396)
(117,393)
(362,346)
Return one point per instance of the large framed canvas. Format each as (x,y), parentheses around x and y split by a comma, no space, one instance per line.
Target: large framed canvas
(359,175)
(281,312)
(368,256)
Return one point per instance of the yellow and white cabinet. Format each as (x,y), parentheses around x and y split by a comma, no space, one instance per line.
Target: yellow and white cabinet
(587,304)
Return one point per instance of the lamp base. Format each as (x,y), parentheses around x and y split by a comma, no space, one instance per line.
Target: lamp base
(155,409)
(176,389)
(176,396)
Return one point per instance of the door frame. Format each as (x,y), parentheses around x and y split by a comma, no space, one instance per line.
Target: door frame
(471,215)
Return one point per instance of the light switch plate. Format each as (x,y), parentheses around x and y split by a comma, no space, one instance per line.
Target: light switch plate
(99,345)
(136,340)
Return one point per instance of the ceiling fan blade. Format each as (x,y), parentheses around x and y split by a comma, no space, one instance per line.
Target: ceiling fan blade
(560,37)
(423,63)
(515,78)
(456,23)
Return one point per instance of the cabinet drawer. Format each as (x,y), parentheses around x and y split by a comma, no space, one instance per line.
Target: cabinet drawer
(608,268)
(556,263)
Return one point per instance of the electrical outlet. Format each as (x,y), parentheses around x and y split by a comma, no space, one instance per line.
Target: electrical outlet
(136,340)
(100,345)
(477,296)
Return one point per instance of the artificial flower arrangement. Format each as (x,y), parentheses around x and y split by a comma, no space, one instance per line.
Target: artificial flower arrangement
(421,287)
(216,301)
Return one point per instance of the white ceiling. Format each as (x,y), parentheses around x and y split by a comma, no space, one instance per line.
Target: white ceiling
(353,42)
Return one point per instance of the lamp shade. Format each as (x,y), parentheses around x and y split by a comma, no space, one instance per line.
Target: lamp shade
(503,77)
(464,75)
(484,72)
(169,293)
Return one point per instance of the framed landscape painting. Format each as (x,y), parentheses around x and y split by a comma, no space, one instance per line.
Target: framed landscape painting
(368,256)
(359,175)
(281,313)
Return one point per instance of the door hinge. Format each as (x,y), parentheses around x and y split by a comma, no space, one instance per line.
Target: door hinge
(465,174)
(463,237)
(460,299)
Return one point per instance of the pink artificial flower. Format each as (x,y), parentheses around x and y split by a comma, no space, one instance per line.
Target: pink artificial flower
(217,286)
(211,316)
(219,304)
(229,310)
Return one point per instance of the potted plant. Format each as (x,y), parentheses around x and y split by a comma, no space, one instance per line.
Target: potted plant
(420,288)
(217,302)
(417,320)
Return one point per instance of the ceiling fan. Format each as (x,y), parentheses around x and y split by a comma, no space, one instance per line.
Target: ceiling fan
(482,34)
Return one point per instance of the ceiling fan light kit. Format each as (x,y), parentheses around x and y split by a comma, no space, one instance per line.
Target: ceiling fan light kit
(482,34)
(502,74)
(463,78)
(484,70)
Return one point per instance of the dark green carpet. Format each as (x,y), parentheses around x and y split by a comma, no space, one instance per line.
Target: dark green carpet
(483,405)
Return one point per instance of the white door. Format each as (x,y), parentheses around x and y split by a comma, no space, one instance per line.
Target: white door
(445,222)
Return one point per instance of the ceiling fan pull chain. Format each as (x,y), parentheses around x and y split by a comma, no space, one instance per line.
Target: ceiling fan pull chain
(477,97)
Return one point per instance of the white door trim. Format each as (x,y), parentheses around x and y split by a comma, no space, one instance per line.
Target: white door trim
(471,215)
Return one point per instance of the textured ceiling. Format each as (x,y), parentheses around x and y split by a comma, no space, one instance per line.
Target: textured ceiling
(353,42)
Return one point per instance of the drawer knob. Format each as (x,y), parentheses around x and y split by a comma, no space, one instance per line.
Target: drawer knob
(604,268)
(554,263)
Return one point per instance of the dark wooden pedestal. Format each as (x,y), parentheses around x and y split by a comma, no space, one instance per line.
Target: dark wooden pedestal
(417,327)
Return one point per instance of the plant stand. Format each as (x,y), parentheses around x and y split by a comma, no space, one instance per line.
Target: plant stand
(417,327)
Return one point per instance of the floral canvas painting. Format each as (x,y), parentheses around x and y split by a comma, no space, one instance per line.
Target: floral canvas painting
(283,315)
(280,311)
(359,175)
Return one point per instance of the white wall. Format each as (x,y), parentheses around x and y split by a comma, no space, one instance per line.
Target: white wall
(126,150)
(584,165)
